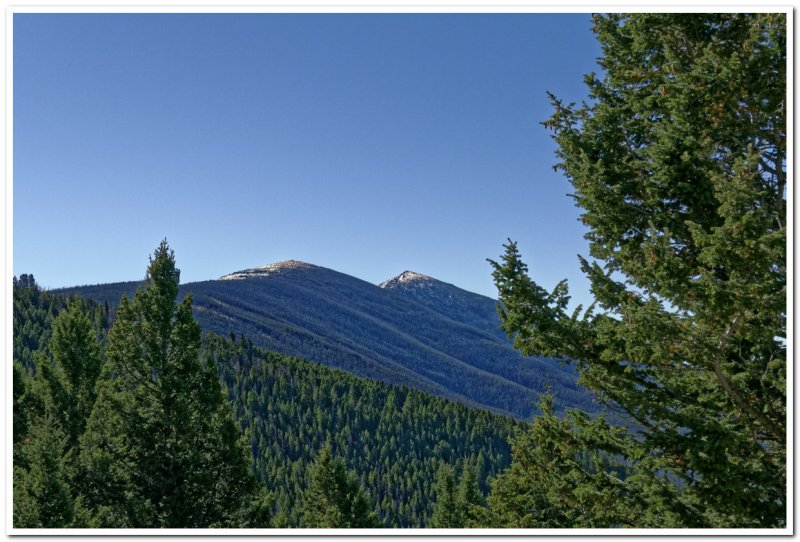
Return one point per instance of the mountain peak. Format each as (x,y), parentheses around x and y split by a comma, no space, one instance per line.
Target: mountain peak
(266,270)
(407,278)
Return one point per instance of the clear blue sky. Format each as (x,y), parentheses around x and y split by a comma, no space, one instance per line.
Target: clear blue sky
(369,144)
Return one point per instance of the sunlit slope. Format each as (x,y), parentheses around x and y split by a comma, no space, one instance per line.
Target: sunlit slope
(411,330)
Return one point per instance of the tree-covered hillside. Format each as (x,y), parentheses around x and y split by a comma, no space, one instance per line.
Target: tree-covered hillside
(392,439)
(33,313)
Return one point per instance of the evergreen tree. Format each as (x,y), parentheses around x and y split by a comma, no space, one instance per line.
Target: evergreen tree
(34,311)
(679,165)
(42,496)
(161,447)
(446,512)
(52,399)
(469,499)
(334,498)
(22,410)
(562,476)
(68,382)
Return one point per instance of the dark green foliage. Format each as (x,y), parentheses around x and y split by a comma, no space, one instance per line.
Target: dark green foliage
(42,496)
(22,409)
(334,497)
(75,348)
(34,311)
(446,512)
(52,399)
(256,513)
(459,503)
(121,479)
(161,448)
(393,438)
(469,498)
(679,166)
(67,382)
(567,472)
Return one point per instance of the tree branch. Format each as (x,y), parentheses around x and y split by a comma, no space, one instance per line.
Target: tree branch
(730,388)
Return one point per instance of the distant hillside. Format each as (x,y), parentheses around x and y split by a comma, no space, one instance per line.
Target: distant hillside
(394,438)
(412,330)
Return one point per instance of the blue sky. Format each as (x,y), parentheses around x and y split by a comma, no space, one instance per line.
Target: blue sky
(370,143)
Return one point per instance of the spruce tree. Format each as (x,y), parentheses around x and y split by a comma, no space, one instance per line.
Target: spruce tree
(161,448)
(562,476)
(334,498)
(678,162)
(469,499)
(67,383)
(42,495)
(22,410)
(446,512)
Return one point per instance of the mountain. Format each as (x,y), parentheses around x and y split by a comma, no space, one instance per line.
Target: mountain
(412,330)
(447,300)
(395,439)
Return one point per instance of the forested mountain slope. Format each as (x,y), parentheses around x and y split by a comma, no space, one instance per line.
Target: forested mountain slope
(419,332)
(393,438)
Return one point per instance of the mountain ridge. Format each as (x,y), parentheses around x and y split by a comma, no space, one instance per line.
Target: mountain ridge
(266,270)
(416,330)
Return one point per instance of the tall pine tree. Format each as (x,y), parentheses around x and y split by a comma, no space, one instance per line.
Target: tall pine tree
(67,383)
(446,512)
(161,447)
(334,498)
(42,495)
(469,498)
(679,165)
